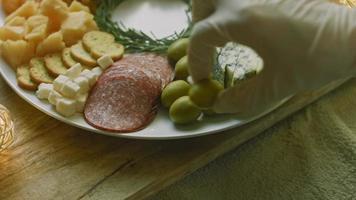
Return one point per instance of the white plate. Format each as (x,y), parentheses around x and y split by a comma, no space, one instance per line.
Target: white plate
(144,15)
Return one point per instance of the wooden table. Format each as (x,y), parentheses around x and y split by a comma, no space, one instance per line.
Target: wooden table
(52,160)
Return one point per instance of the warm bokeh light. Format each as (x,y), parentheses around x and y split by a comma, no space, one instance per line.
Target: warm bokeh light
(6,128)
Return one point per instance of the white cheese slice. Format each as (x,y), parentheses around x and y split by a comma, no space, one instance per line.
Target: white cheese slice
(97,71)
(59,82)
(90,76)
(53,97)
(70,89)
(105,61)
(74,71)
(81,100)
(83,83)
(43,90)
(66,107)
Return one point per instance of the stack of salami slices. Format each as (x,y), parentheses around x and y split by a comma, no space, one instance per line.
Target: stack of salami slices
(126,96)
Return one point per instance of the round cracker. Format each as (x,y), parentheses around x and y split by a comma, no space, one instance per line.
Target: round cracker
(81,55)
(97,38)
(38,71)
(67,58)
(24,78)
(54,64)
(114,50)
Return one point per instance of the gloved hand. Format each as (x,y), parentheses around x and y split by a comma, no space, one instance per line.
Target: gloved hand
(305,44)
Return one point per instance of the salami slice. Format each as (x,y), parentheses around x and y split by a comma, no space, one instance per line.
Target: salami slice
(155,66)
(121,103)
(135,74)
(125,97)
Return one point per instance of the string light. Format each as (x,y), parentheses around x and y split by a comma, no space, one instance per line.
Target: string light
(6,128)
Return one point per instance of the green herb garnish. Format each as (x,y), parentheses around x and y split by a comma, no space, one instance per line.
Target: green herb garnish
(135,40)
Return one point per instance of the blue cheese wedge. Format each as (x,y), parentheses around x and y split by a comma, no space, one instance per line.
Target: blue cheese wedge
(238,62)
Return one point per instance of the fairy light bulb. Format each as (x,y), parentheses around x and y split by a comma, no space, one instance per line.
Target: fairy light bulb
(6,128)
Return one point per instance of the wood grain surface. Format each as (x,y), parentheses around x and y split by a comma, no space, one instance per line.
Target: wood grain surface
(52,160)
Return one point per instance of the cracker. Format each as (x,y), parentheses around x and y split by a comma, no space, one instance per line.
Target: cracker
(54,64)
(67,58)
(114,50)
(24,78)
(38,71)
(95,38)
(81,55)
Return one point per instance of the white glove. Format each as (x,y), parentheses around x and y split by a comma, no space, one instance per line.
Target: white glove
(305,44)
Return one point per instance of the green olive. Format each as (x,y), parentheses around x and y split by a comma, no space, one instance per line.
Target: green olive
(173,91)
(181,69)
(204,93)
(178,49)
(183,111)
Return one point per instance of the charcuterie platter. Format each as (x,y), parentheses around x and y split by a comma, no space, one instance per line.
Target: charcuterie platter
(72,61)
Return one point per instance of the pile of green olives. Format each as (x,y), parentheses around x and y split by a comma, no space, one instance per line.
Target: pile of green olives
(187,102)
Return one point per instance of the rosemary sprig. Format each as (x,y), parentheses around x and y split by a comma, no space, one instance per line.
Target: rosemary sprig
(136,40)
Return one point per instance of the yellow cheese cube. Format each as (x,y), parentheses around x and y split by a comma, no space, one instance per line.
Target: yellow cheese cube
(17,53)
(10,6)
(52,44)
(35,21)
(27,9)
(37,34)
(12,33)
(56,11)
(16,21)
(76,25)
(36,26)
(77,6)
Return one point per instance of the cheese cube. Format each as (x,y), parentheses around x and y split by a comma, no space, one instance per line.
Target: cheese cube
(105,61)
(53,97)
(81,99)
(59,82)
(74,71)
(90,76)
(43,90)
(97,71)
(83,83)
(66,107)
(70,89)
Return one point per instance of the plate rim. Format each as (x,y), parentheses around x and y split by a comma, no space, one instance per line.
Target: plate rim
(62,119)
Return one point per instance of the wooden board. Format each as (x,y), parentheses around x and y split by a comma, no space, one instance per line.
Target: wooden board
(51,160)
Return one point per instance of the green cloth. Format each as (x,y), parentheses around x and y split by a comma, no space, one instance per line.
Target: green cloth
(310,155)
